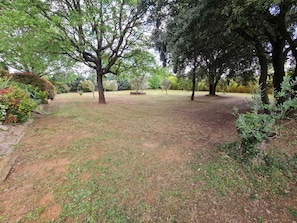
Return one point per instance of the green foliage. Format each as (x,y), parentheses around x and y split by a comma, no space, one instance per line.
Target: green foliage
(123,84)
(254,127)
(62,88)
(202,86)
(19,105)
(74,85)
(174,82)
(86,86)
(277,169)
(293,212)
(4,82)
(34,92)
(36,81)
(105,36)
(110,85)
(165,84)
(138,83)
(184,84)
(154,81)
(3,109)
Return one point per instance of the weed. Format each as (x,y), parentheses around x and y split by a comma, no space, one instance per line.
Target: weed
(293,212)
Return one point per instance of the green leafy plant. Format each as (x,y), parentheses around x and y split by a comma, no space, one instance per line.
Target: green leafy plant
(62,88)
(3,109)
(36,81)
(86,86)
(4,82)
(19,105)
(34,92)
(254,126)
(139,83)
(293,212)
(110,85)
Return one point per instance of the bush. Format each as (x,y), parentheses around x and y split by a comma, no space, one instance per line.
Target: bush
(138,83)
(62,88)
(17,103)
(34,92)
(123,84)
(165,84)
(174,84)
(110,85)
(36,81)
(184,84)
(202,86)
(86,86)
(154,81)
(254,127)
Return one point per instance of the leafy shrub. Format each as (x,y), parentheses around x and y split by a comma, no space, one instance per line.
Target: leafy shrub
(165,84)
(110,85)
(86,86)
(36,81)
(254,127)
(34,92)
(62,88)
(123,84)
(184,84)
(138,83)
(174,82)
(154,81)
(19,105)
(202,86)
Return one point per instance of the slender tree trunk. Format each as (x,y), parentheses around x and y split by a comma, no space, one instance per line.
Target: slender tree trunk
(100,87)
(264,72)
(193,83)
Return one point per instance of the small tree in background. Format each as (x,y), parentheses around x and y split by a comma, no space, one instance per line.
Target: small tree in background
(138,83)
(165,84)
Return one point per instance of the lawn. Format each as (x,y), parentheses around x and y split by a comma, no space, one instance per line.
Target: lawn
(141,158)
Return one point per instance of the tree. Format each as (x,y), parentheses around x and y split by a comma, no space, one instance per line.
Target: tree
(193,38)
(269,27)
(97,33)
(25,48)
(165,84)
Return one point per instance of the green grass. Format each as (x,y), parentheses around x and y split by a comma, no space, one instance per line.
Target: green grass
(139,159)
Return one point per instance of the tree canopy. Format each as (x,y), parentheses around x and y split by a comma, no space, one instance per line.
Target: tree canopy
(97,33)
(226,36)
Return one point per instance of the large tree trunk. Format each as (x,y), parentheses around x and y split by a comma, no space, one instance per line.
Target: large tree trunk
(264,71)
(278,64)
(212,88)
(100,88)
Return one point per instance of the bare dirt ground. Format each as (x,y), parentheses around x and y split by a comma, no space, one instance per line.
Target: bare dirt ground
(193,126)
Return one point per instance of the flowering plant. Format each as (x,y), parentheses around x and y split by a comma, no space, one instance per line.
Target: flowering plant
(18,105)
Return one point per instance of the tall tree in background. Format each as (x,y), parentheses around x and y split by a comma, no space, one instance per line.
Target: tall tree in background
(97,33)
(193,37)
